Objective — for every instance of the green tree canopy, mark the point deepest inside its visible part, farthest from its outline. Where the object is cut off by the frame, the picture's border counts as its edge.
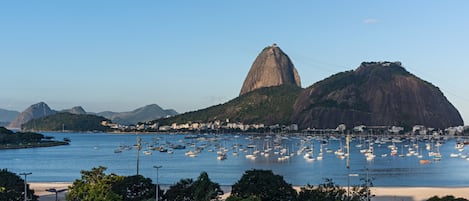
(181, 191)
(205, 189)
(446, 198)
(135, 188)
(263, 184)
(333, 192)
(235, 198)
(8, 136)
(12, 187)
(202, 189)
(94, 185)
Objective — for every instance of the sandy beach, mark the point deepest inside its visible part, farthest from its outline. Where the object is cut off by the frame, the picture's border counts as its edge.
(416, 193)
(41, 187)
(381, 193)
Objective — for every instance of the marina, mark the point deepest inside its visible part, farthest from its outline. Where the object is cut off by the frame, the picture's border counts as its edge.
(300, 158)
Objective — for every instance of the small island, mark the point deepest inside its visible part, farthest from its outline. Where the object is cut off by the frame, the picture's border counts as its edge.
(20, 140)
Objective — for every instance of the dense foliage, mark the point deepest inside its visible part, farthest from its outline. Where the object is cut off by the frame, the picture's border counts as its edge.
(94, 185)
(67, 121)
(10, 137)
(263, 184)
(134, 188)
(12, 187)
(446, 198)
(182, 190)
(250, 198)
(254, 185)
(270, 105)
(202, 189)
(333, 192)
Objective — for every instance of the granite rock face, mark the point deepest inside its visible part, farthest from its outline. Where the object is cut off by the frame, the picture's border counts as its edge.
(272, 67)
(35, 111)
(375, 94)
(75, 110)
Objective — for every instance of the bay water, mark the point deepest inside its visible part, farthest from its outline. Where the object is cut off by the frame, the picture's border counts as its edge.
(88, 150)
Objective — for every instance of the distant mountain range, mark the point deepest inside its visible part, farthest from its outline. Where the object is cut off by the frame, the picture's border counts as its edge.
(143, 114)
(40, 110)
(6, 116)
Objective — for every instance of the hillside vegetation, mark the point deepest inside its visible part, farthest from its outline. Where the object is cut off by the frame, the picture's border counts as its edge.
(68, 122)
(18, 140)
(270, 105)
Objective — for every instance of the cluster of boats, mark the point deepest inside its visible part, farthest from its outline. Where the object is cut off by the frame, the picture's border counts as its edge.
(311, 147)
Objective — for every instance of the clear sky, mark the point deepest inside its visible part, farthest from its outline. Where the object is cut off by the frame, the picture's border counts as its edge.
(188, 55)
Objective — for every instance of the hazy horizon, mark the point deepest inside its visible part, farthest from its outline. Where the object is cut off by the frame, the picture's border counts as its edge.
(119, 56)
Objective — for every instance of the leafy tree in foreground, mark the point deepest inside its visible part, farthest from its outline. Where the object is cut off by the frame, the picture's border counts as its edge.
(94, 185)
(446, 198)
(205, 189)
(202, 189)
(181, 191)
(333, 192)
(135, 188)
(12, 187)
(263, 184)
(236, 198)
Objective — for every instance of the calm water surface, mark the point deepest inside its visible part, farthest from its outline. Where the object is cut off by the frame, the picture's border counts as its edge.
(63, 164)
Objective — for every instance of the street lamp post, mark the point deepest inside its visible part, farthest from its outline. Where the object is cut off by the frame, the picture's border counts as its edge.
(139, 140)
(25, 185)
(53, 190)
(157, 198)
(347, 141)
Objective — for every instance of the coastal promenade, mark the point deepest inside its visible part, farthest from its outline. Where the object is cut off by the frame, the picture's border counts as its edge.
(381, 193)
(41, 187)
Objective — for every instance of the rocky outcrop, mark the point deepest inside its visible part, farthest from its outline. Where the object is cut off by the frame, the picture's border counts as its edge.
(75, 110)
(272, 67)
(35, 111)
(375, 94)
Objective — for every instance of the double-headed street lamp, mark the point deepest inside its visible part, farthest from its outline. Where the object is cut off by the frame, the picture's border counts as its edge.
(53, 190)
(26, 184)
(157, 198)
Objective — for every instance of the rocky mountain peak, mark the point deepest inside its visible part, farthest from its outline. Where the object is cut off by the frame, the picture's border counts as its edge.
(272, 67)
(35, 111)
(367, 67)
(75, 110)
(375, 94)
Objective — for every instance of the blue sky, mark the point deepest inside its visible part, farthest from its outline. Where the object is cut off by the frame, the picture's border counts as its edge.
(188, 55)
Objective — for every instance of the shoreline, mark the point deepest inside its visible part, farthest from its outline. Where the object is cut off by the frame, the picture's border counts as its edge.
(231, 132)
(401, 193)
(33, 145)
